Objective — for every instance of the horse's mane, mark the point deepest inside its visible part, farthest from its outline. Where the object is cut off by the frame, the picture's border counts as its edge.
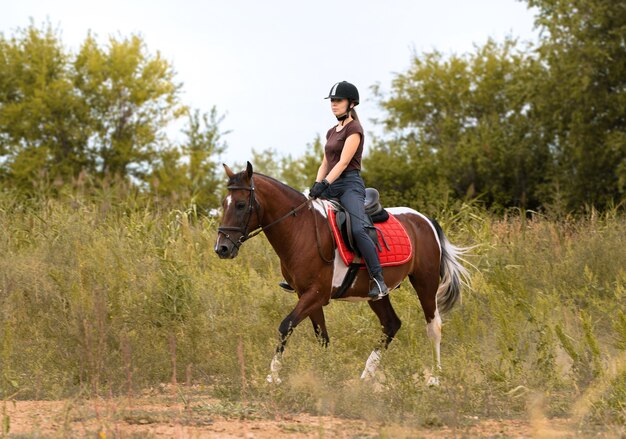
(281, 184)
(239, 177)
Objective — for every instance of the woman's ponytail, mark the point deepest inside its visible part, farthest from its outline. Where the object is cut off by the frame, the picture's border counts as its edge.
(354, 115)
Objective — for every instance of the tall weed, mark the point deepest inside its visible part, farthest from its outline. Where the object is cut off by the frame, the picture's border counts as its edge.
(115, 292)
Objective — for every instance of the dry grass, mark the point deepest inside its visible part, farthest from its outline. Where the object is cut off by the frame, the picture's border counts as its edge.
(109, 295)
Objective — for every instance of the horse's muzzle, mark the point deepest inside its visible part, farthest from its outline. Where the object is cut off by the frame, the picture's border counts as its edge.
(226, 252)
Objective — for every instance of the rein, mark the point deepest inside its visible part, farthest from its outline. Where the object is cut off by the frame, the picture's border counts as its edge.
(288, 214)
(317, 240)
(252, 207)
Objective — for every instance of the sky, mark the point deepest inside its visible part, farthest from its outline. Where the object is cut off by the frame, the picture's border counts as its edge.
(267, 65)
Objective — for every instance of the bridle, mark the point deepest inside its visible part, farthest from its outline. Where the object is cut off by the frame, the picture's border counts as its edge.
(253, 206)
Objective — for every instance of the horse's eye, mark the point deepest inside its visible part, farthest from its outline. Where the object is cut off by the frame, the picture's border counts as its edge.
(241, 205)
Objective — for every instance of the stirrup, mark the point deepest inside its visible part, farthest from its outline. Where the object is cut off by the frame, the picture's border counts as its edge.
(285, 286)
(378, 290)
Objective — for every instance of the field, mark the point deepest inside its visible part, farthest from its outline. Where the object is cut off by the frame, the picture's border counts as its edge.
(117, 319)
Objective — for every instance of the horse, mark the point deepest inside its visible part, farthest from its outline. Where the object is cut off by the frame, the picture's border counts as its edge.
(310, 263)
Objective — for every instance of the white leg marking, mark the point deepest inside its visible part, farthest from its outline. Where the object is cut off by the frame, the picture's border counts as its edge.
(275, 367)
(433, 381)
(433, 329)
(371, 365)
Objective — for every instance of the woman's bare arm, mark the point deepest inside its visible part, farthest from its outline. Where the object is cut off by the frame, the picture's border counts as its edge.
(323, 170)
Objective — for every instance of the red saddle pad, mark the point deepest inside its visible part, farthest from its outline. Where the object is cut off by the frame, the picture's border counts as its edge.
(400, 247)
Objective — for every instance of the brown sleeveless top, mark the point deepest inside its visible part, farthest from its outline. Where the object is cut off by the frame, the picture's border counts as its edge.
(335, 142)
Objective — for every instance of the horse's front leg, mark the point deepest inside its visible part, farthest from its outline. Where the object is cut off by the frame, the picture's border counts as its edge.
(309, 303)
(319, 326)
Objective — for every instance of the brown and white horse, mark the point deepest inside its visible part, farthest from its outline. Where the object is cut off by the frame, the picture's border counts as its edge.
(295, 227)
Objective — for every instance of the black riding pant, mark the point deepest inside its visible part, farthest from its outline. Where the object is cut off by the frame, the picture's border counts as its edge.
(350, 190)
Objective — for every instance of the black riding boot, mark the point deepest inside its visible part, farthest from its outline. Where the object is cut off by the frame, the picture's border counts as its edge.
(285, 286)
(378, 288)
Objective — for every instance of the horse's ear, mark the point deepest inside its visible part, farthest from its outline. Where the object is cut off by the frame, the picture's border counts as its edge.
(249, 170)
(229, 171)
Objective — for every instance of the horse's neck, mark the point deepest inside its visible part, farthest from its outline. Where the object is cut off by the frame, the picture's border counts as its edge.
(276, 202)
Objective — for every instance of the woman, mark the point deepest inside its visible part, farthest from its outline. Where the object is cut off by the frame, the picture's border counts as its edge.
(339, 176)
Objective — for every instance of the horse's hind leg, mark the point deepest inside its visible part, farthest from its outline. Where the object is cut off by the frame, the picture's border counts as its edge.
(391, 324)
(319, 326)
(426, 289)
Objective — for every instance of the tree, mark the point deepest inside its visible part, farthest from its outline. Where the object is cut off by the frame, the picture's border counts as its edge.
(203, 147)
(523, 127)
(300, 172)
(132, 96)
(191, 170)
(583, 98)
(266, 162)
(463, 125)
(101, 111)
(297, 172)
(43, 121)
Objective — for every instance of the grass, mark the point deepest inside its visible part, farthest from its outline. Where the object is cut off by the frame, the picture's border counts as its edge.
(113, 294)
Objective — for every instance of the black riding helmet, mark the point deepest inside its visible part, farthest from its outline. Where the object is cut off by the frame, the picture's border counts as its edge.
(344, 90)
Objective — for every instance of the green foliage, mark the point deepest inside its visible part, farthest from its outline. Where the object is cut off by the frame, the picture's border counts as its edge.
(198, 178)
(297, 172)
(131, 96)
(266, 162)
(98, 115)
(99, 112)
(533, 126)
(41, 111)
(300, 172)
(467, 129)
(582, 100)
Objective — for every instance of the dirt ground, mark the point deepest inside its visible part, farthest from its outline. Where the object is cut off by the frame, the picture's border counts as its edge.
(160, 417)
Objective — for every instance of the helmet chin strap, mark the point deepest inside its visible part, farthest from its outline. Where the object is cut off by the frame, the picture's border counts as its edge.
(344, 116)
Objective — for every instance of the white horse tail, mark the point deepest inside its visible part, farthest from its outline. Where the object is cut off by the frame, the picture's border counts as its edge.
(452, 273)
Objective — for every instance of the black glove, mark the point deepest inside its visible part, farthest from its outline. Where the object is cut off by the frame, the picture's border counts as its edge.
(318, 188)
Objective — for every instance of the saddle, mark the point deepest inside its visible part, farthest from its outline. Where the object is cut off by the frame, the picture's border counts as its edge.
(374, 213)
(380, 225)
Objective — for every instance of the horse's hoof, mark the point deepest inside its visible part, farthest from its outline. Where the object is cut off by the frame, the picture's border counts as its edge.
(367, 377)
(432, 381)
(273, 380)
